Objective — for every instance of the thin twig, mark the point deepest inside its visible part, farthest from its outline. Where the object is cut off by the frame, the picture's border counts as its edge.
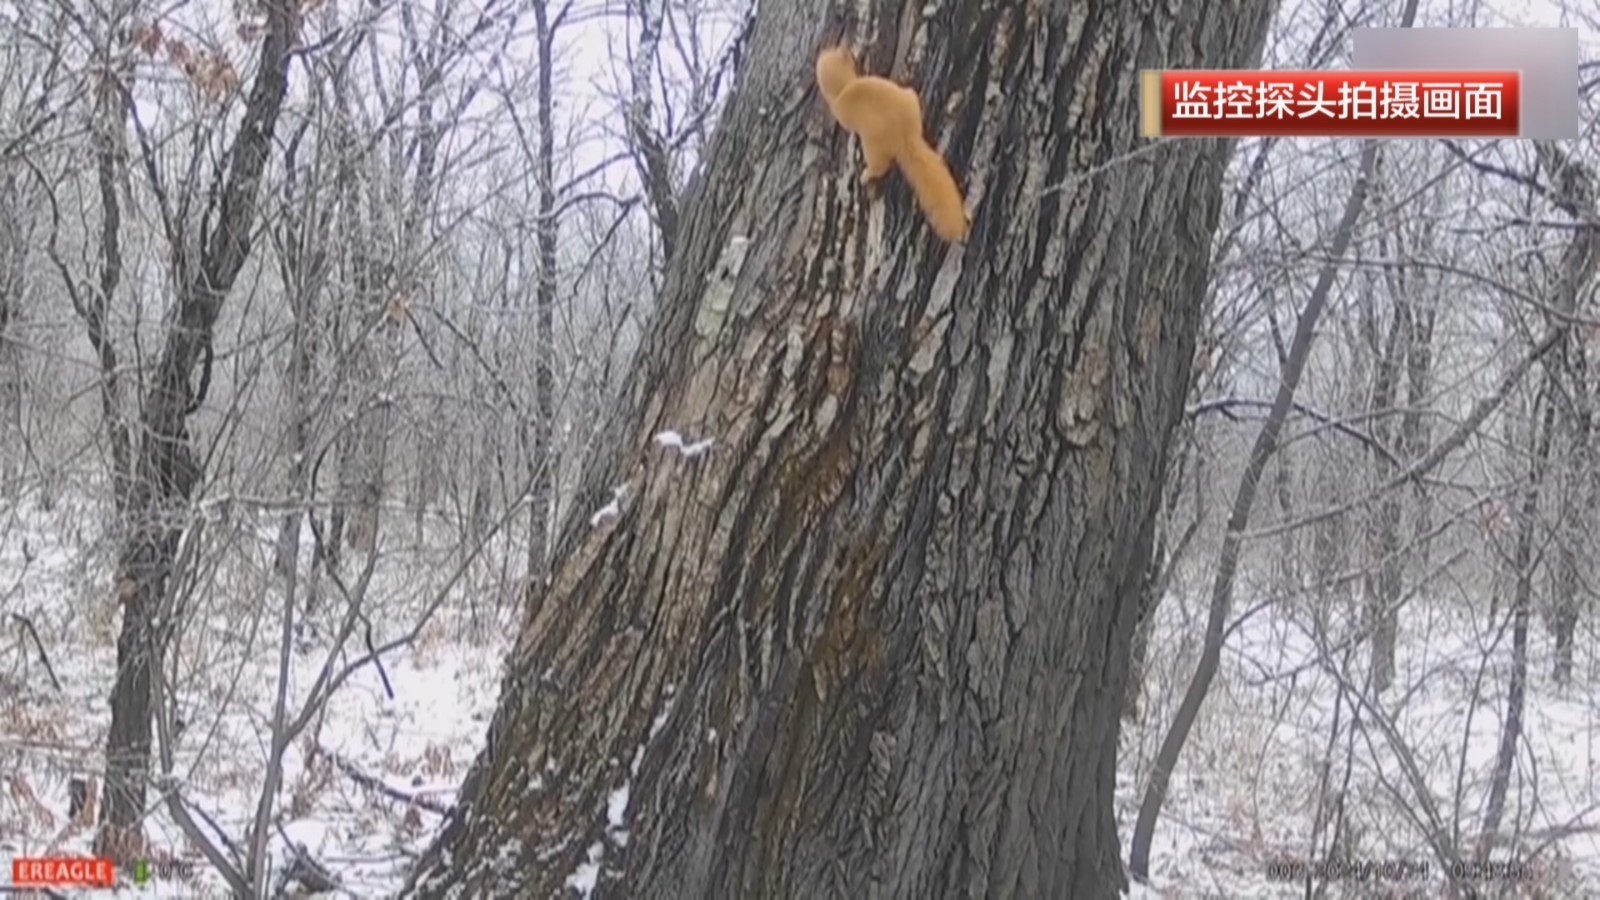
(372, 782)
(44, 657)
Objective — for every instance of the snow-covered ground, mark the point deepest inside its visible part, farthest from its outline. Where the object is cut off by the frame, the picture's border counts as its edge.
(1244, 796)
(1245, 793)
(420, 743)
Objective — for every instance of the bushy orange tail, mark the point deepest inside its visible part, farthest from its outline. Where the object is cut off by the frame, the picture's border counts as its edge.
(936, 190)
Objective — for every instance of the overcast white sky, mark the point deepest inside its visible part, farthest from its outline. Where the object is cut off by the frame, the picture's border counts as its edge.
(592, 57)
(593, 53)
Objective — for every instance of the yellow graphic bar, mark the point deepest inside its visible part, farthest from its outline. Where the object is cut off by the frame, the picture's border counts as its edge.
(1149, 102)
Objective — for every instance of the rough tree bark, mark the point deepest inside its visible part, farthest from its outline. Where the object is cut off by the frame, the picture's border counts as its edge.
(166, 470)
(875, 641)
(542, 459)
(1164, 562)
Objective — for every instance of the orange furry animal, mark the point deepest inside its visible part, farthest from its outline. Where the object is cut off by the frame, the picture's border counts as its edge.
(888, 119)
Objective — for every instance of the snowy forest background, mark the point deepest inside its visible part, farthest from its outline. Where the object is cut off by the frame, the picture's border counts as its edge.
(467, 214)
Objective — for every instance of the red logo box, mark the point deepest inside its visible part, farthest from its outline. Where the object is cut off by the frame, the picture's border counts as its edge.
(62, 871)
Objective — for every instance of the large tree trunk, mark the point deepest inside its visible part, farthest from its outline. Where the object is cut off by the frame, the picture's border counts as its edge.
(875, 641)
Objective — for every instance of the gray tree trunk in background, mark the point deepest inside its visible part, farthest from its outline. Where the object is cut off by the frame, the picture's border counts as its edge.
(13, 265)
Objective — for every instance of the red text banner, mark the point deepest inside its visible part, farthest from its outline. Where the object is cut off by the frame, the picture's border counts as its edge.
(1372, 103)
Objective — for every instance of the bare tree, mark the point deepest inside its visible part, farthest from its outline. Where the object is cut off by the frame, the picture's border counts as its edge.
(541, 449)
(1574, 193)
(1266, 444)
(1573, 405)
(1231, 314)
(165, 470)
(665, 118)
(1261, 451)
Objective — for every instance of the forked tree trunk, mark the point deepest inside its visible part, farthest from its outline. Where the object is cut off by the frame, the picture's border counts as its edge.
(166, 471)
(875, 641)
